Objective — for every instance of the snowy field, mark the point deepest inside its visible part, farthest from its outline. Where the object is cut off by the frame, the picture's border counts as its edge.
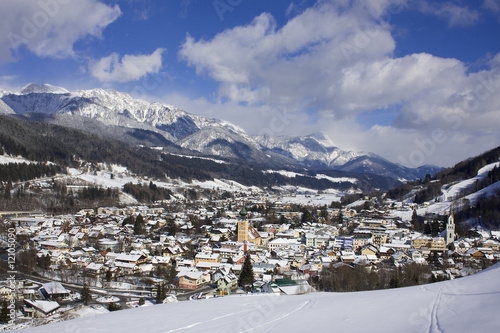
(6, 159)
(469, 304)
(313, 199)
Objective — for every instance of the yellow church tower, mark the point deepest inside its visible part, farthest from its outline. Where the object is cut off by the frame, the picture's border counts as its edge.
(243, 226)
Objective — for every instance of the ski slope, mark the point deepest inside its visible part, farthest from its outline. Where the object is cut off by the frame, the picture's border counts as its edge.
(468, 304)
(451, 194)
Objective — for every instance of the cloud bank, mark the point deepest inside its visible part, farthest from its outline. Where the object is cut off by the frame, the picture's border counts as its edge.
(50, 28)
(335, 63)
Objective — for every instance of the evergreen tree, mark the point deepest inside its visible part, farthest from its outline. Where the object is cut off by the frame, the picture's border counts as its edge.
(4, 312)
(340, 216)
(414, 217)
(172, 227)
(139, 226)
(306, 215)
(161, 293)
(109, 275)
(246, 278)
(86, 296)
(8, 188)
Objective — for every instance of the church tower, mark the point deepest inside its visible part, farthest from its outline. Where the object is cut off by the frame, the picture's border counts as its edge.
(243, 226)
(450, 229)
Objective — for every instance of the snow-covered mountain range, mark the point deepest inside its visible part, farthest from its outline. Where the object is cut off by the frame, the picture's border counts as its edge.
(192, 132)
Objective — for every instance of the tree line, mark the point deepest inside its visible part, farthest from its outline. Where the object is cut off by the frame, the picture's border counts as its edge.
(14, 172)
(347, 278)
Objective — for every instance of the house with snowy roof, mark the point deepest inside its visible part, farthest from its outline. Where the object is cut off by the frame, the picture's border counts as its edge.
(39, 308)
(193, 279)
(225, 278)
(53, 290)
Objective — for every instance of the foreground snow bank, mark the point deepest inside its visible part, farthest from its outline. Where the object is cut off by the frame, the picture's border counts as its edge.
(468, 304)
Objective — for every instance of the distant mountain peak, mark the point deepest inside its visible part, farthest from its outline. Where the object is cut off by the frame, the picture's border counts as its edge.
(322, 138)
(44, 88)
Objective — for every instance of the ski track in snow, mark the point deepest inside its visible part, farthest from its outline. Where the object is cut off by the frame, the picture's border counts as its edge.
(434, 320)
(207, 321)
(305, 305)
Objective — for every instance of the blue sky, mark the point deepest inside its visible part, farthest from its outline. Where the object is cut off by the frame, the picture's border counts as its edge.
(415, 81)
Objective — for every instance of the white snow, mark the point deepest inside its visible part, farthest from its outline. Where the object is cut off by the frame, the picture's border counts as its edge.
(451, 194)
(313, 199)
(6, 159)
(291, 174)
(226, 185)
(454, 190)
(337, 179)
(469, 304)
(200, 158)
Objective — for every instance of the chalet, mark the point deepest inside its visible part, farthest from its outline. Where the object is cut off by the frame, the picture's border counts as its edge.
(417, 256)
(475, 253)
(193, 280)
(369, 249)
(94, 269)
(212, 258)
(130, 263)
(492, 244)
(462, 246)
(399, 258)
(386, 252)
(174, 251)
(293, 244)
(226, 280)
(347, 257)
(137, 259)
(39, 308)
(53, 290)
(226, 253)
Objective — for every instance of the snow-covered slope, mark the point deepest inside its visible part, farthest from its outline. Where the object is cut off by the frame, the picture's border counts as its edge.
(5, 109)
(317, 150)
(452, 194)
(468, 304)
(42, 88)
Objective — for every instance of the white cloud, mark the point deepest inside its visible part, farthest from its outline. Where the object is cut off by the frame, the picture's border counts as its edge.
(128, 68)
(335, 61)
(50, 28)
(491, 5)
(455, 14)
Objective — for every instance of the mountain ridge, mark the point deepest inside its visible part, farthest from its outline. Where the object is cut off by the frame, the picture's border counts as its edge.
(196, 133)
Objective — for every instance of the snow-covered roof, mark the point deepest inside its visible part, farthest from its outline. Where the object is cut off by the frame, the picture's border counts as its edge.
(44, 306)
(54, 288)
